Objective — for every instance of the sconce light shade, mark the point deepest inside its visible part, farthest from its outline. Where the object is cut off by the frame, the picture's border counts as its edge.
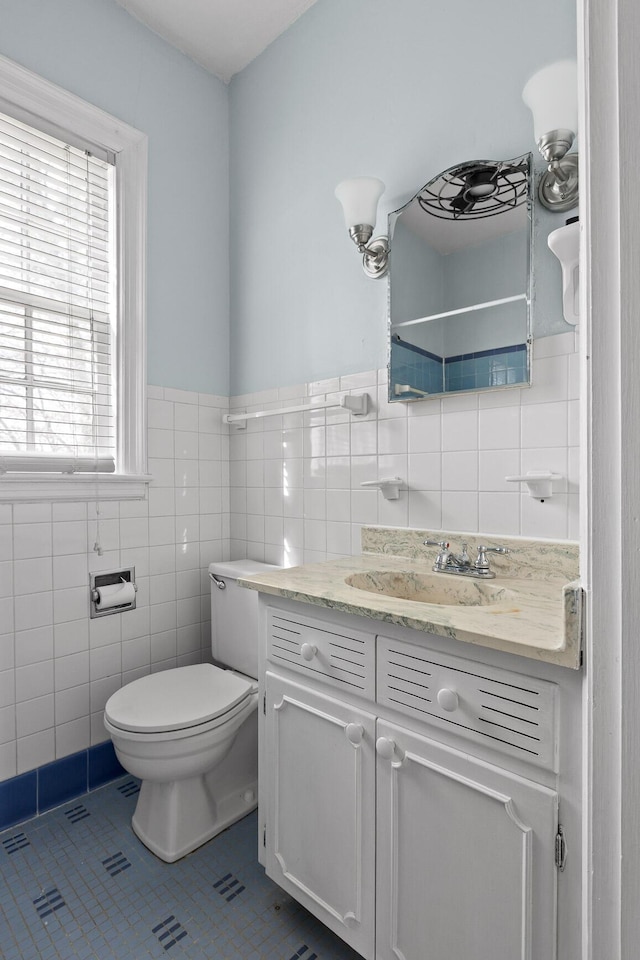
(552, 96)
(359, 197)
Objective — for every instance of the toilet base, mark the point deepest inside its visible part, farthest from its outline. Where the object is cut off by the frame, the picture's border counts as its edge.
(173, 819)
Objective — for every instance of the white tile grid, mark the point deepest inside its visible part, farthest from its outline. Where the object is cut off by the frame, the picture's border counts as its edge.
(58, 667)
(296, 492)
(285, 490)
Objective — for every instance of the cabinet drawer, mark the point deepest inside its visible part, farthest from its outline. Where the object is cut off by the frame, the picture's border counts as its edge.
(345, 659)
(506, 711)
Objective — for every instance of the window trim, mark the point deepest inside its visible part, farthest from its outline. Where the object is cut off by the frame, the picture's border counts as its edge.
(44, 105)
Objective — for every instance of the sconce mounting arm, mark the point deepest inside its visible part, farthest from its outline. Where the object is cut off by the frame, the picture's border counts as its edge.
(375, 255)
(375, 258)
(559, 187)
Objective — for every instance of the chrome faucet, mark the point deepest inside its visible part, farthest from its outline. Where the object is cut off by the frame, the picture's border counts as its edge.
(448, 562)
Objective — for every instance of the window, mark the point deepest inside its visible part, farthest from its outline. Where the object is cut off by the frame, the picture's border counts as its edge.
(56, 291)
(72, 331)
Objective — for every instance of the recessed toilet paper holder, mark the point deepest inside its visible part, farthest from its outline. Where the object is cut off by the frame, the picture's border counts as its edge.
(112, 592)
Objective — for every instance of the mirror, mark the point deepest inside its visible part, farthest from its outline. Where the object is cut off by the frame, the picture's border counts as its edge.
(459, 282)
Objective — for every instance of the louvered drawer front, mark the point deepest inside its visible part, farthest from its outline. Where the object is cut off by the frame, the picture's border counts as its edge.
(506, 711)
(344, 658)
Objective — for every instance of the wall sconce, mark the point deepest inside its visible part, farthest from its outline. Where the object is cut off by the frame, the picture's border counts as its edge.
(552, 96)
(359, 198)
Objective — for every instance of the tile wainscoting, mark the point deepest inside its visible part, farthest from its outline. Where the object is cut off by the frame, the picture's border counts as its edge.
(285, 490)
(58, 667)
(295, 481)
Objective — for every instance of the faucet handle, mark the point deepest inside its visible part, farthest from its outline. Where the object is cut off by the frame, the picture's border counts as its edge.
(442, 559)
(481, 561)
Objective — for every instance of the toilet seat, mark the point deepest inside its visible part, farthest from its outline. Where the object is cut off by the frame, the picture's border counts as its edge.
(178, 702)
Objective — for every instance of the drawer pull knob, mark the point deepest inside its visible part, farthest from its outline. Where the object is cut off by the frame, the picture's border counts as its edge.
(354, 733)
(448, 699)
(389, 750)
(308, 651)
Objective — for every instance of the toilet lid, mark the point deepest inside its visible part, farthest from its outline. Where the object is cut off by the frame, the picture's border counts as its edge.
(175, 699)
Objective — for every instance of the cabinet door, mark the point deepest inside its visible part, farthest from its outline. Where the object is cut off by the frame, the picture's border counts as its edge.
(466, 864)
(321, 807)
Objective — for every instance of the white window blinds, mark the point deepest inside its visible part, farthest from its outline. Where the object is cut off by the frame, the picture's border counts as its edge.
(56, 292)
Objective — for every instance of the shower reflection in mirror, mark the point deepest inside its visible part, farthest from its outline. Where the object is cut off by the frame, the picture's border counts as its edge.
(460, 282)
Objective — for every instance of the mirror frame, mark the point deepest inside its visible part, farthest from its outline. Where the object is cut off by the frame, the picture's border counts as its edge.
(528, 292)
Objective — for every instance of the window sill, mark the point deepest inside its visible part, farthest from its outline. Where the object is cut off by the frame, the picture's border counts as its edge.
(20, 487)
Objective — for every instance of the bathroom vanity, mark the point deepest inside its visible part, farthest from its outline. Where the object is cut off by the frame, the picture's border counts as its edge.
(419, 793)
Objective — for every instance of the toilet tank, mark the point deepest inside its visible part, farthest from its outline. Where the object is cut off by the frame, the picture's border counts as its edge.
(234, 615)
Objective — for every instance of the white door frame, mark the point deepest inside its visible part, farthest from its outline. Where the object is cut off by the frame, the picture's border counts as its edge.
(608, 41)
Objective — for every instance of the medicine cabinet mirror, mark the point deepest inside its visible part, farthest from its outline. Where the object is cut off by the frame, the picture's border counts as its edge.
(460, 282)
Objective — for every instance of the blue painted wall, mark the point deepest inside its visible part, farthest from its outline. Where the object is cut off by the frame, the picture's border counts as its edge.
(96, 50)
(399, 90)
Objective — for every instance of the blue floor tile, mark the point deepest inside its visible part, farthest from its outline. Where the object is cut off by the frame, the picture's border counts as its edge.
(76, 884)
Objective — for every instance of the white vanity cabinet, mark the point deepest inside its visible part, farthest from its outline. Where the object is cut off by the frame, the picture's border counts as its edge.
(465, 856)
(399, 795)
(320, 838)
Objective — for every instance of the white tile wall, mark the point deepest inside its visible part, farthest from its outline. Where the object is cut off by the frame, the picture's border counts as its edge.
(58, 667)
(295, 480)
(285, 490)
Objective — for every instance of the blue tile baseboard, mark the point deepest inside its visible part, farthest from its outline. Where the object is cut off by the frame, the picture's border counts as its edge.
(18, 799)
(31, 793)
(62, 780)
(102, 765)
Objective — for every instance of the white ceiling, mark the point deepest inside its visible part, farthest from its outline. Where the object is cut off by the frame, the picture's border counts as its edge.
(223, 36)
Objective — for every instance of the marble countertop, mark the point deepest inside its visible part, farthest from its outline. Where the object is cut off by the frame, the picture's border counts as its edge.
(534, 617)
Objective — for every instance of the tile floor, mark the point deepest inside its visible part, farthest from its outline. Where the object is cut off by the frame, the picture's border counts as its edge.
(76, 884)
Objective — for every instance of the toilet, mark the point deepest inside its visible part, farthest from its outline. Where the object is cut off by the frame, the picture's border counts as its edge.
(191, 733)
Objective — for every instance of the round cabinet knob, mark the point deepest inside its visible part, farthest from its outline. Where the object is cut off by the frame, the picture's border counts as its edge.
(448, 699)
(385, 748)
(354, 733)
(308, 651)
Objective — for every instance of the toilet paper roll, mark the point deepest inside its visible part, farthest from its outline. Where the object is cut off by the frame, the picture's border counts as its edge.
(115, 595)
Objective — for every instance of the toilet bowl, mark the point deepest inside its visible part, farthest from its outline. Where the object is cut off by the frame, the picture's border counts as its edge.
(191, 733)
(174, 730)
